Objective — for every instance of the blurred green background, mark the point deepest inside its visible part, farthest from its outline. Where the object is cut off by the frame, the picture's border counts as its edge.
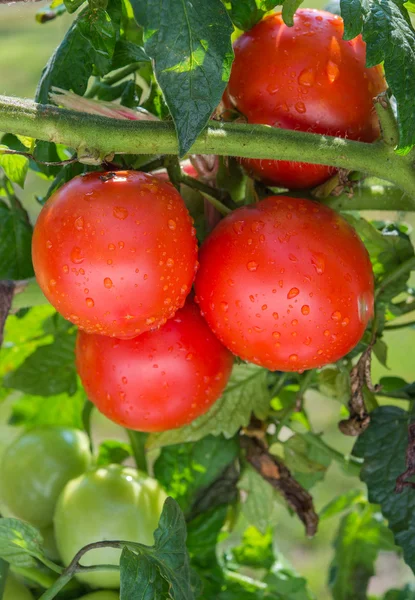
(25, 48)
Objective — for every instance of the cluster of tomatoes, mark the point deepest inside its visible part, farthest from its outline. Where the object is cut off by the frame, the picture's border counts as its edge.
(285, 283)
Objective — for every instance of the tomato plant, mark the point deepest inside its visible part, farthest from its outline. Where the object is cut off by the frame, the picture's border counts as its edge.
(115, 253)
(165, 426)
(159, 380)
(36, 467)
(14, 590)
(286, 284)
(305, 77)
(113, 503)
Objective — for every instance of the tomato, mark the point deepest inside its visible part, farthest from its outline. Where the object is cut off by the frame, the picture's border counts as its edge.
(304, 77)
(36, 467)
(111, 503)
(162, 379)
(101, 595)
(15, 590)
(286, 284)
(115, 253)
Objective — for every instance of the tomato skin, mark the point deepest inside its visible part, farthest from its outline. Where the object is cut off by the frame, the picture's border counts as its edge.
(304, 77)
(36, 467)
(116, 255)
(15, 590)
(162, 379)
(286, 284)
(111, 503)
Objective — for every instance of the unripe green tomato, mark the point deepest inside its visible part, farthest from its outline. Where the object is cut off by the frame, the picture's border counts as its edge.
(101, 595)
(37, 466)
(111, 503)
(15, 590)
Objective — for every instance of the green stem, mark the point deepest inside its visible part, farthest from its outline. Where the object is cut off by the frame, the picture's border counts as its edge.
(388, 124)
(4, 569)
(112, 79)
(377, 197)
(74, 129)
(305, 381)
(224, 210)
(279, 384)
(138, 440)
(399, 326)
(405, 267)
(56, 587)
(36, 575)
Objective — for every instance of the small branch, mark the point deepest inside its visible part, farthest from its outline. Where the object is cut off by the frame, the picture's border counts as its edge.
(278, 475)
(402, 480)
(405, 267)
(388, 124)
(112, 79)
(305, 381)
(57, 163)
(224, 210)
(137, 441)
(399, 326)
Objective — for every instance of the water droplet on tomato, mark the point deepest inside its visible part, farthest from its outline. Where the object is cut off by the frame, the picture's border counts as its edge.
(307, 77)
(275, 315)
(189, 356)
(108, 283)
(326, 332)
(276, 335)
(76, 255)
(65, 269)
(336, 316)
(120, 213)
(318, 262)
(307, 341)
(172, 224)
(305, 309)
(257, 226)
(252, 265)
(293, 358)
(224, 306)
(238, 226)
(79, 223)
(292, 258)
(121, 245)
(169, 262)
(294, 322)
(300, 107)
(293, 293)
(150, 320)
(333, 71)
(345, 322)
(90, 303)
(111, 246)
(264, 307)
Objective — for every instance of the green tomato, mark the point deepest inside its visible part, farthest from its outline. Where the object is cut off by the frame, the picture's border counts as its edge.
(111, 503)
(36, 467)
(102, 595)
(15, 590)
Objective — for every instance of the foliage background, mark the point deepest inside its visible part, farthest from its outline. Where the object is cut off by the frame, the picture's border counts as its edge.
(29, 45)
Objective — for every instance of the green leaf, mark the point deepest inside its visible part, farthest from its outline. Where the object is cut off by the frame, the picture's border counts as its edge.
(62, 410)
(190, 45)
(246, 393)
(50, 370)
(98, 29)
(202, 534)
(20, 543)
(246, 13)
(15, 241)
(307, 462)
(113, 452)
(285, 582)
(73, 5)
(185, 470)
(126, 53)
(258, 500)
(388, 248)
(163, 570)
(15, 166)
(341, 503)
(407, 593)
(383, 448)
(390, 38)
(334, 382)
(288, 11)
(255, 549)
(357, 545)
(380, 350)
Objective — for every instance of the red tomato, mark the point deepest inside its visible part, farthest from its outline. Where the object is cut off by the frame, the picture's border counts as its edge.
(115, 253)
(160, 380)
(304, 77)
(286, 284)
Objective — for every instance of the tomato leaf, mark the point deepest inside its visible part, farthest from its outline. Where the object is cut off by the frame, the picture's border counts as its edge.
(245, 393)
(390, 38)
(255, 549)
(246, 13)
(162, 571)
(190, 45)
(203, 532)
(73, 5)
(307, 462)
(113, 452)
(286, 584)
(50, 370)
(407, 593)
(258, 500)
(334, 382)
(99, 31)
(383, 447)
(15, 166)
(15, 241)
(61, 410)
(126, 53)
(20, 543)
(288, 11)
(185, 470)
(361, 535)
(341, 503)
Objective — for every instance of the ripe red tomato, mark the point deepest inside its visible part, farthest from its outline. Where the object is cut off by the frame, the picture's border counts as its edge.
(115, 253)
(286, 284)
(304, 77)
(160, 380)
